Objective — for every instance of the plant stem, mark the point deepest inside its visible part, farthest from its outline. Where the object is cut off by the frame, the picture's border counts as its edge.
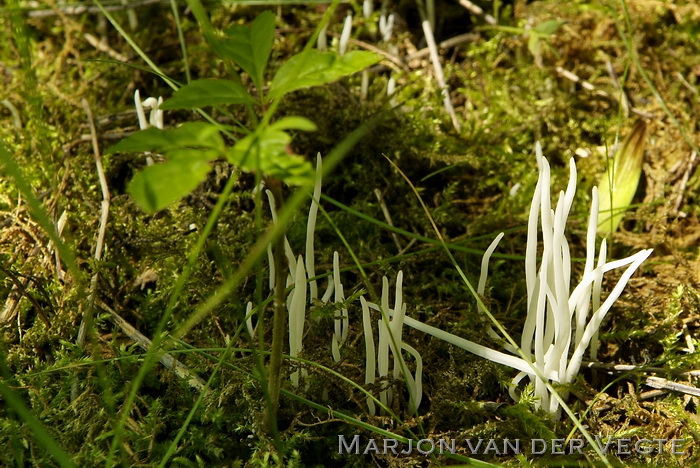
(278, 323)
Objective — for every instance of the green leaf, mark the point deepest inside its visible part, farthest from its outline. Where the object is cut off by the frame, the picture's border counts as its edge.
(250, 46)
(269, 152)
(294, 123)
(313, 68)
(188, 135)
(157, 186)
(534, 45)
(619, 183)
(539, 33)
(208, 92)
(548, 27)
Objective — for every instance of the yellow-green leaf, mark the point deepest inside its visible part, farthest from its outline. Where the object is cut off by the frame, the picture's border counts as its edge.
(619, 183)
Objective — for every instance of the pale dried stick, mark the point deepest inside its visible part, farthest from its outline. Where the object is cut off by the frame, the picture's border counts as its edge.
(80, 9)
(437, 67)
(103, 47)
(564, 73)
(477, 10)
(167, 360)
(387, 216)
(446, 44)
(87, 316)
(663, 384)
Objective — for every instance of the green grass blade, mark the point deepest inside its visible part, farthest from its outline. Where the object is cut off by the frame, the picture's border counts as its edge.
(41, 434)
(181, 39)
(134, 45)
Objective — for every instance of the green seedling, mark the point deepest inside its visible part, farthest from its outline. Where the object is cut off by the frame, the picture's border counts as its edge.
(190, 148)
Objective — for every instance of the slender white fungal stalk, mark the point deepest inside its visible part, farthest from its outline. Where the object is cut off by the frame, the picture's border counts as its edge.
(481, 287)
(143, 123)
(397, 315)
(329, 292)
(367, 8)
(249, 319)
(345, 35)
(597, 285)
(514, 189)
(156, 117)
(598, 316)
(474, 348)
(485, 263)
(310, 229)
(271, 262)
(390, 90)
(385, 341)
(341, 322)
(439, 76)
(370, 355)
(383, 360)
(322, 39)
(416, 389)
(297, 315)
(390, 86)
(364, 88)
(386, 26)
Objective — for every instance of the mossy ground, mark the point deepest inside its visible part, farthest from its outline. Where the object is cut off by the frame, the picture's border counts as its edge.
(506, 98)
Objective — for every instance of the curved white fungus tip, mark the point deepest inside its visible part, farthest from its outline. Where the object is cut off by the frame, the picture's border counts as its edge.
(345, 35)
(367, 8)
(322, 40)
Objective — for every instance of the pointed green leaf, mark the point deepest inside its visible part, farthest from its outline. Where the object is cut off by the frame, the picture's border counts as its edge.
(313, 68)
(269, 152)
(294, 123)
(157, 186)
(548, 27)
(188, 135)
(208, 92)
(534, 45)
(619, 183)
(250, 46)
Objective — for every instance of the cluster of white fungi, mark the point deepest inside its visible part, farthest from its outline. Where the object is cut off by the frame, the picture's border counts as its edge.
(561, 323)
